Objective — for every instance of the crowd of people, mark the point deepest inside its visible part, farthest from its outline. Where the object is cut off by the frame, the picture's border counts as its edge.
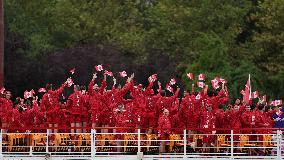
(131, 106)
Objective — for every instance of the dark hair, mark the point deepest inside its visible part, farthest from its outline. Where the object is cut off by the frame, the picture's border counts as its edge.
(163, 93)
(49, 86)
(260, 107)
(83, 87)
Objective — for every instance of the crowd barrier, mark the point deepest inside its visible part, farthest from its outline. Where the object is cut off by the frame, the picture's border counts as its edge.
(186, 144)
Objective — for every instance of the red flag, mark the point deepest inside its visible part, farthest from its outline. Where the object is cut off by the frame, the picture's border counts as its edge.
(201, 77)
(72, 71)
(169, 88)
(271, 103)
(278, 102)
(99, 68)
(28, 94)
(215, 83)
(152, 78)
(69, 82)
(201, 84)
(41, 90)
(172, 81)
(2, 90)
(190, 75)
(123, 74)
(247, 92)
(222, 80)
(254, 95)
(109, 73)
(264, 98)
(198, 97)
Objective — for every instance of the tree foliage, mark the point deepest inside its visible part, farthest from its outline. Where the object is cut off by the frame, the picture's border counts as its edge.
(225, 38)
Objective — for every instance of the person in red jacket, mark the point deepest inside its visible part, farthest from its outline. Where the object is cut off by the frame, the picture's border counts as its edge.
(208, 121)
(74, 106)
(85, 108)
(233, 116)
(50, 105)
(96, 100)
(6, 106)
(112, 100)
(164, 128)
(165, 102)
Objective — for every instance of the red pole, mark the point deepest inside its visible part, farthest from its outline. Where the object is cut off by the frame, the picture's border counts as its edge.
(1, 43)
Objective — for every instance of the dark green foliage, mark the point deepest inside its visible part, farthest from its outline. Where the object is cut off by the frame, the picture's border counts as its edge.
(226, 38)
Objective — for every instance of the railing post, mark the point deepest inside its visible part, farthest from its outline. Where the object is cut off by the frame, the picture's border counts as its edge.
(139, 153)
(139, 140)
(93, 143)
(47, 141)
(232, 144)
(184, 143)
(279, 137)
(1, 136)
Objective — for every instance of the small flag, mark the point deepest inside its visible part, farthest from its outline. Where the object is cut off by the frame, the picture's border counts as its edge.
(278, 102)
(254, 94)
(109, 73)
(152, 78)
(41, 90)
(198, 97)
(201, 84)
(2, 90)
(172, 81)
(123, 74)
(190, 75)
(72, 71)
(28, 94)
(69, 82)
(272, 103)
(99, 68)
(263, 98)
(201, 77)
(222, 80)
(215, 83)
(169, 88)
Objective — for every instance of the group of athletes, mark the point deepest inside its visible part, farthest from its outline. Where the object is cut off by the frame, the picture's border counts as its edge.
(131, 106)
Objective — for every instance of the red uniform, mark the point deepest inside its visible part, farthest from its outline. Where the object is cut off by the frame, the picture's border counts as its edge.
(6, 107)
(74, 105)
(164, 126)
(95, 101)
(50, 105)
(208, 121)
(165, 103)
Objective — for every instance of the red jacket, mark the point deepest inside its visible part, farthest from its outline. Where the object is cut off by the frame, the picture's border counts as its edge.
(6, 107)
(75, 103)
(49, 101)
(164, 125)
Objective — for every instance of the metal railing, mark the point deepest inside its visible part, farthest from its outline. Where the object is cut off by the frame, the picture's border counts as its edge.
(140, 145)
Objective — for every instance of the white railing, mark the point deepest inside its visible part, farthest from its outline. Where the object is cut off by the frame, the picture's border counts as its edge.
(141, 145)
